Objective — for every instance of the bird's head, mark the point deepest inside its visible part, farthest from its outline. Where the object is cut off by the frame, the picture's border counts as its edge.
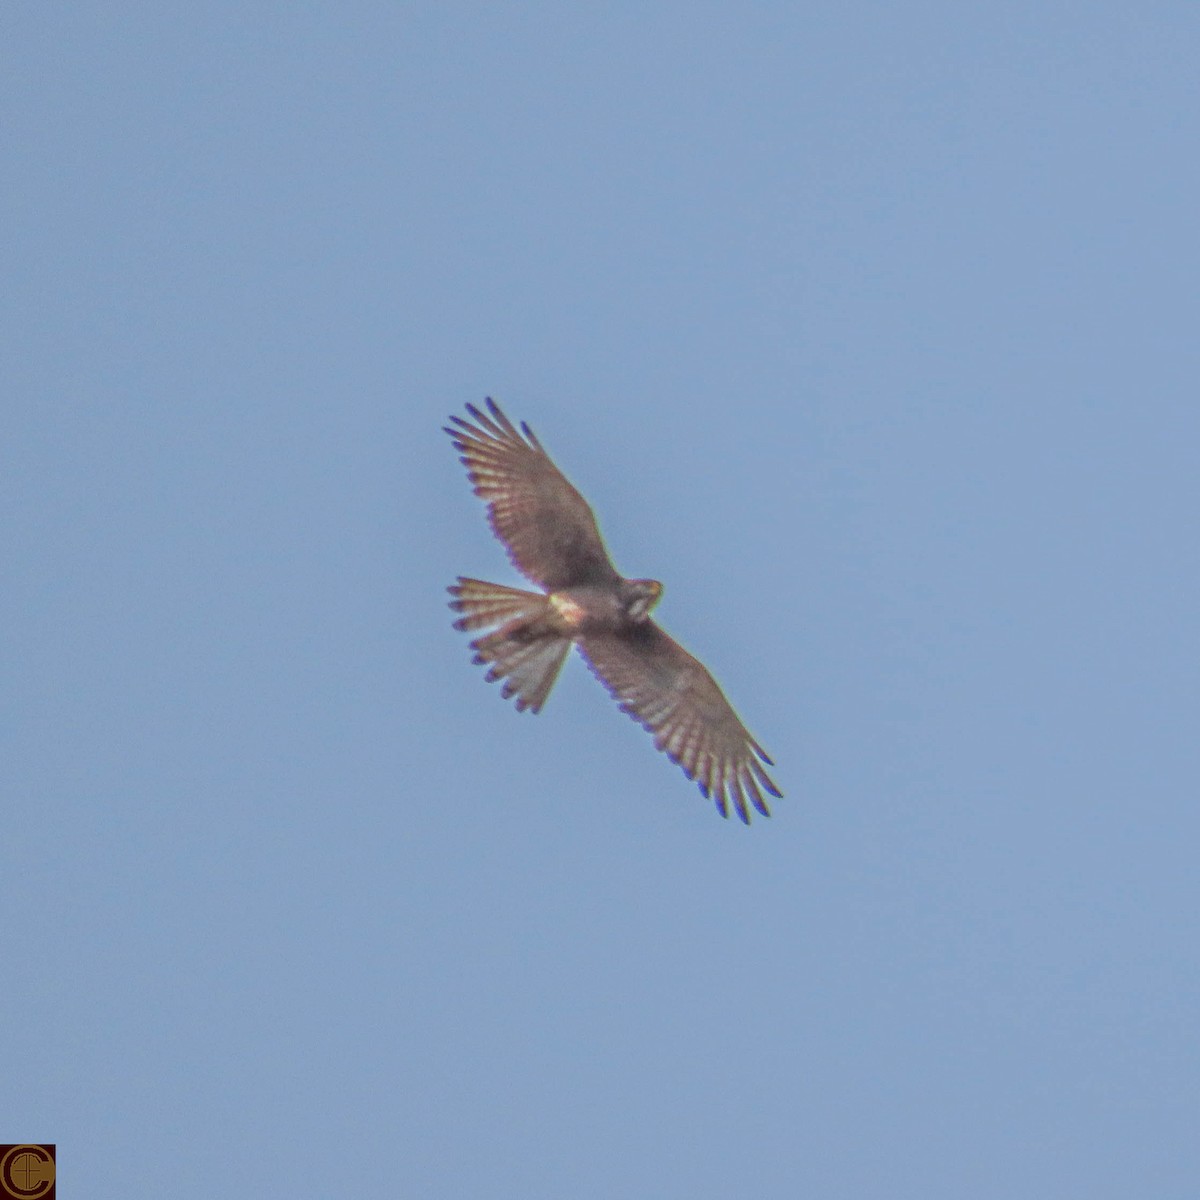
(639, 597)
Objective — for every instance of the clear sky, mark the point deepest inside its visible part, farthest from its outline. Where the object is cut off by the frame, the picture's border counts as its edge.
(870, 329)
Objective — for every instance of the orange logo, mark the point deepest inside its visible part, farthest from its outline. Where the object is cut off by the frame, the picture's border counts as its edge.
(27, 1172)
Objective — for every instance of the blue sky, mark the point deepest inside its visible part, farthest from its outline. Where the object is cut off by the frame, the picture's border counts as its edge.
(870, 330)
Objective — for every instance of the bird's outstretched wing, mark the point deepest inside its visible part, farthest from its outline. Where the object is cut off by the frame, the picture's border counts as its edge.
(672, 695)
(545, 524)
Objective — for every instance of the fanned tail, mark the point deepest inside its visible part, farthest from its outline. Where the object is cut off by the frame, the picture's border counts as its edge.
(483, 604)
(526, 651)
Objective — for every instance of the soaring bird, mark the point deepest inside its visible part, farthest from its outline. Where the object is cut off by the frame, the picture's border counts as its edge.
(552, 538)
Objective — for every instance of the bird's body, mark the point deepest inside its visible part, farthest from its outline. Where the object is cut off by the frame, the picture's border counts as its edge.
(593, 609)
(552, 538)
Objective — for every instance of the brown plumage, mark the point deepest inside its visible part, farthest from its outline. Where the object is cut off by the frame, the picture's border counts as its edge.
(552, 538)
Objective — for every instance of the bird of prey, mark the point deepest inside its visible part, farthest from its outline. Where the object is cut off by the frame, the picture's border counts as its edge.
(552, 538)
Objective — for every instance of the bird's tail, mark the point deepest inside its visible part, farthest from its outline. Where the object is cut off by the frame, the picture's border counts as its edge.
(526, 651)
